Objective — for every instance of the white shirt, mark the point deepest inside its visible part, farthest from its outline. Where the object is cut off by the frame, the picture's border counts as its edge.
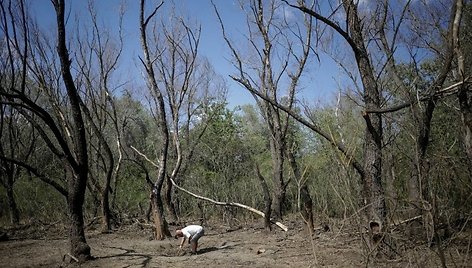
(191, 230)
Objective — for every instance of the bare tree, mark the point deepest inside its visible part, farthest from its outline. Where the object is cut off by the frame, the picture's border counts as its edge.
(12, 128)
(181, 84)
(280, 49)
(17, 141)
(421, 112)
(177, 50)
(67, 143)
(98, 107)
(79, 160)
(161, 227)
(356, 35)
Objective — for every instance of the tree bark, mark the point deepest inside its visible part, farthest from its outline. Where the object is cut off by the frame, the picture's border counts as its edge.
(307, 207)
(277, 140)
(106, 211)
(267, 199)
(103, 192)
(373, 191)
(161, 229)
(78, 181)
(465, 104)
(78, 244)
(9, 170)
(277, 152)
(169, 202)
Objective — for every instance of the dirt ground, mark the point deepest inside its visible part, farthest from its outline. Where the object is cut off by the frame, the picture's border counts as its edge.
(246, 245)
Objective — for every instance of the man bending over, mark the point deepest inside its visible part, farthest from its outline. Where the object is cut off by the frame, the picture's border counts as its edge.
(192, 233)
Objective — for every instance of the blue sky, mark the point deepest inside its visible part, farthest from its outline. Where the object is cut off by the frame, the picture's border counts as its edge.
(320, 83)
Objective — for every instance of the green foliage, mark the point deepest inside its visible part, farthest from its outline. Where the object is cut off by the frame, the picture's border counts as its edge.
(132, 192)
(223, 163)
(222, 167)
(450, 178)
(333, 183)
(38, 201)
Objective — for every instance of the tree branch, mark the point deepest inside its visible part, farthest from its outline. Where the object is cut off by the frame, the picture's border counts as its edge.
(340, 146)
(40, 176)
(438, 94)
(233, 204)
(328, 22)
(145, 157)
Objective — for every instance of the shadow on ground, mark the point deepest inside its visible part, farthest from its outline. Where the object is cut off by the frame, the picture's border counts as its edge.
(208, 249)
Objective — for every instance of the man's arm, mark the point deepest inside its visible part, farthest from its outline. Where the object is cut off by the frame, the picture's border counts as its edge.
(183, 241)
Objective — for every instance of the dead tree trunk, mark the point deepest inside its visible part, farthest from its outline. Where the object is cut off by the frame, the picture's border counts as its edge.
(267, 199)
(105, 204)
(7, 180)
(103, 192)
(278, 159)
(70, 139)
(79, 247)
(78, 181)
(418, 182)
(373, 191)
(161, 228)
(264, 37)
(169, 202)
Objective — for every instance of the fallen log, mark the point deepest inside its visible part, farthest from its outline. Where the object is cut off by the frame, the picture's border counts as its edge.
(233, 204)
